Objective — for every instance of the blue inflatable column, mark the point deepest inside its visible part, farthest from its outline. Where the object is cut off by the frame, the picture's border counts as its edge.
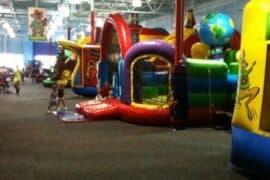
(103, 72)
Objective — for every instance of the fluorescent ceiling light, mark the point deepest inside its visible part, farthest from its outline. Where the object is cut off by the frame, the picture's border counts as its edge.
(76, 1)
(64, 10)
(136, 3)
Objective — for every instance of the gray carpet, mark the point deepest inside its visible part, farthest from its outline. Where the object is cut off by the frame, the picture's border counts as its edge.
(36, 145)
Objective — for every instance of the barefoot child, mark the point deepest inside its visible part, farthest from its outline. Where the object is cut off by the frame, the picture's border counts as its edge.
(53, 98)
(60, 96)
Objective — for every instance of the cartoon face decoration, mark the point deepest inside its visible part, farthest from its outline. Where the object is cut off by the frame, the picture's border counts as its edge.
(91, 70)
(38, 23)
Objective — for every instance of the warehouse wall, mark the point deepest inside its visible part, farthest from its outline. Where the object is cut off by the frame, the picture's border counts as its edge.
(18, 45)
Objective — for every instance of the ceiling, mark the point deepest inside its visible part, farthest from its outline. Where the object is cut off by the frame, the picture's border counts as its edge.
(75, 13)
(15, 12)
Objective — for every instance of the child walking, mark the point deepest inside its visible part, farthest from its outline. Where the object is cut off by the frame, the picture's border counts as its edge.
(53, 98)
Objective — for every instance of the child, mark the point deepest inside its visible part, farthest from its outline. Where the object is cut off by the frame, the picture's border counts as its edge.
(175, 122)
(60, 96)
(104, 91)
(53, 98)
(110, 95)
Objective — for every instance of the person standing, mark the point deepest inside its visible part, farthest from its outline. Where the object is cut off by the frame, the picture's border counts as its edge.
(17, 80)
(53, 98)
(60, 62)
(60, 96)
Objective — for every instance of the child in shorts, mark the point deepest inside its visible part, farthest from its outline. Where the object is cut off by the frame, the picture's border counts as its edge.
(53, 98)
(60, 96)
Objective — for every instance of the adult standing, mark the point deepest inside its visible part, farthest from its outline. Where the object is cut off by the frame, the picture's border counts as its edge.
(17, 80)
(60, 62)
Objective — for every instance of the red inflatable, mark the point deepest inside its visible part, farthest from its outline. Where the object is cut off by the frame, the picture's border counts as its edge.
(80, 107)
(158, 117)
(113, 108)
(107, 109)
(116, 22)
(236, 40)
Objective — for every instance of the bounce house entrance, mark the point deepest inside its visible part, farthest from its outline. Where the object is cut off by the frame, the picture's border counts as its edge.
(151, 81)
(113, 61)
(265, 123)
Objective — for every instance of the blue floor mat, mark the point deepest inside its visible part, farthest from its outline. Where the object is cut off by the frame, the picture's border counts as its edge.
(69, 116)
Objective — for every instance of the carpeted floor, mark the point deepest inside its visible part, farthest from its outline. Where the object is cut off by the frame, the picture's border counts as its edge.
(36, 145)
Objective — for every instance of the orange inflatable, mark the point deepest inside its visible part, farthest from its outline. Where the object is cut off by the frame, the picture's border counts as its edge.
(200, 50)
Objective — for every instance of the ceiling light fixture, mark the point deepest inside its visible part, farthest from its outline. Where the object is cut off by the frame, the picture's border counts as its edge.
(6, 26)
(136, 3)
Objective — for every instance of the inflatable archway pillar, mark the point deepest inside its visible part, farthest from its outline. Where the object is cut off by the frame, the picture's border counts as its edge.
(114, 22)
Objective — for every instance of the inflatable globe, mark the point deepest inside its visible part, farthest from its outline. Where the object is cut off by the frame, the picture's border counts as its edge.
(216, 29)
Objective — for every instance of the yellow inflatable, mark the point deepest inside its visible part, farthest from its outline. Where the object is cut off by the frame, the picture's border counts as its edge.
(251, 118)
(253, 73)
(187, 33)
(85, 40)
(65, 77)
(200, 50)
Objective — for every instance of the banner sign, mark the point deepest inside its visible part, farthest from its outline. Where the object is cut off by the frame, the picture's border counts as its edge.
(37, 27)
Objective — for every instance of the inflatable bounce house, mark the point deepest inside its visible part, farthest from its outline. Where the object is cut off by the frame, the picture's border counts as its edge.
(140, 74)
(81, 67)
(251, 124)
(211, 67)
(212, 72)
(84, 74)
(66, 63)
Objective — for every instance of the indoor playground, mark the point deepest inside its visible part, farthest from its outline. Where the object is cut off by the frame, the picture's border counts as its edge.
(135, 89)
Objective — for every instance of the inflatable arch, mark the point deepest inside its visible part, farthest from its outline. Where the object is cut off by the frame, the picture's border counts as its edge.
(115, 41)
(143, 112)
(116, 22)
(140, 49)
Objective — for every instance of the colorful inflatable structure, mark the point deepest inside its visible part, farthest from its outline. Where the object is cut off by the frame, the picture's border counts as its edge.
(144, 83)
(212, 79)
(84, 74)
(64, 67)
(251, 124)
(207, 89)
(190, 37)
(62, 70)
(140, 75)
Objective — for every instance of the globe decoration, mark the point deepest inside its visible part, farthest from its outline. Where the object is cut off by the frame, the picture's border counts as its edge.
(216, 29)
